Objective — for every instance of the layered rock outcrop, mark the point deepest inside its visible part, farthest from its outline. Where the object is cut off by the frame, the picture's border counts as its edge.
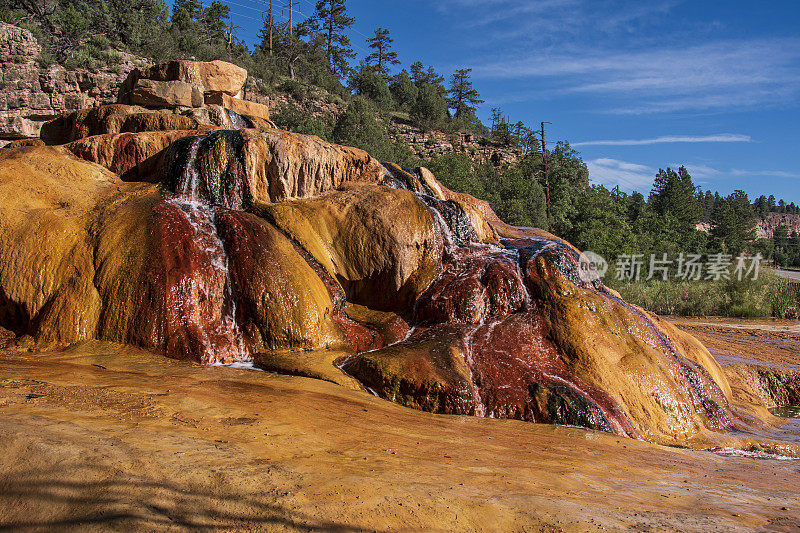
(765, 228)
(31, 94)
(190, 84)
(235, 244)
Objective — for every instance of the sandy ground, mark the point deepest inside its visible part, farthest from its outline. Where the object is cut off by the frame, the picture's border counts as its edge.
(103, 437)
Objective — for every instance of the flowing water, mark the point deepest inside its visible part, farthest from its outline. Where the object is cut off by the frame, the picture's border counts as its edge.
(221, 339)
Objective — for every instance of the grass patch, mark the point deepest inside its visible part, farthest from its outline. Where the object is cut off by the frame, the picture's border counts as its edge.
(768, 296)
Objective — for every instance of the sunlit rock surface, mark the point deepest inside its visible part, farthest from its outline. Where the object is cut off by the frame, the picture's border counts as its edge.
(254, 244)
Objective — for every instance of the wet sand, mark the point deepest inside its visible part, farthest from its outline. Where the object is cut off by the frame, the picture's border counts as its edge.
(759, 341)
(108, 437)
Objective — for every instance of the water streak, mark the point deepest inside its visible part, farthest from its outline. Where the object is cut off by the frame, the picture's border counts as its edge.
(202, 219)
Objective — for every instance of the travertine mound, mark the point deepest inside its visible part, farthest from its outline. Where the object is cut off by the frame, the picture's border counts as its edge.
(254, 244)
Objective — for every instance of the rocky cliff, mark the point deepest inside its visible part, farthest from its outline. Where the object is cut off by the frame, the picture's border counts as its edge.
(766, 226)
(31, 94)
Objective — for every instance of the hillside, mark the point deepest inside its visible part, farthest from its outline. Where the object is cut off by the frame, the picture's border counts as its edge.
(767, 225)
(32, 93)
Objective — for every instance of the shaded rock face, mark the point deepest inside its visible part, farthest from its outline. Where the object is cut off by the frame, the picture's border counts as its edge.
(153, 93)
(219, 246)
(242, 107)
(7, 338)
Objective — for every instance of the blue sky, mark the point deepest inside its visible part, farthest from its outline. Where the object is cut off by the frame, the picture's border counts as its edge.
(632, 85)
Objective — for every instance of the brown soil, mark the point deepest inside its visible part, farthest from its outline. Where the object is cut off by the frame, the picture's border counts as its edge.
(102, 436)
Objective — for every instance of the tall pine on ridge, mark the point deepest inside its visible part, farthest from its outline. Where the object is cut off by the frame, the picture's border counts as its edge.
(331, 19)
(464, 98)
(383, 56)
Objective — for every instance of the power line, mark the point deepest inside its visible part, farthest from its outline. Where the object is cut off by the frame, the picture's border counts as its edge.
(284, 18)
(314, 7)
(242, 5)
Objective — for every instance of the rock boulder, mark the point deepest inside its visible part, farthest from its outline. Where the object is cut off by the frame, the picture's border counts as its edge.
(213, 76)
(242, 107)
(153, 93)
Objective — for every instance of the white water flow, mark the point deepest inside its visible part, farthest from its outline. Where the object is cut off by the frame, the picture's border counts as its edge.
(236, 120)
(201, 217)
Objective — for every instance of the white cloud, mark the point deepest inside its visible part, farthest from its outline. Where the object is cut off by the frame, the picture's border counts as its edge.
(705, 172)
(702, 172)
(719, 138)
(528, 21)
(637, 177)
(770, 173)
(709, 76)
(613, 172)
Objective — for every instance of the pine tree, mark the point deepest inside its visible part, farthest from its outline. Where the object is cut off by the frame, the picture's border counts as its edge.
(331, 19)
(186, 12)
(139, 23)
(464, 98)
(733, 223)
(708, 206)
(430, 77)
(429, 109)
(288, 47)
(780, 238)
(383, 56)
(496, 118)
(365, 81)
(673, 196)
(213, 21)
(794, 249)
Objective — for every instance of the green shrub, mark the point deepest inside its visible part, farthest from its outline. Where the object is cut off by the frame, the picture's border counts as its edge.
(45, 59)
(367, 82)
(359, 127)
(296, 89)
(429, 110)
(403, 89)
(515, 197)
(293, 118)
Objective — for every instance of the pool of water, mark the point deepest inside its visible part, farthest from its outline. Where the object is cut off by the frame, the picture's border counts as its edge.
(787, 411)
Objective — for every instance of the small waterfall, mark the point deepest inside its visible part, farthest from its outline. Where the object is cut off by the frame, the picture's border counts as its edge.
(224, 342)
(454, 226)
(237, 121)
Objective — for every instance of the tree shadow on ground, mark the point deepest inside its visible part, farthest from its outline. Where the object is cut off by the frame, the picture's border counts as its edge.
(53, 500)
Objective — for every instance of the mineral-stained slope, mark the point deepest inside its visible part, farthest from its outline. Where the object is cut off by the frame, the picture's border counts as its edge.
(225, 245)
